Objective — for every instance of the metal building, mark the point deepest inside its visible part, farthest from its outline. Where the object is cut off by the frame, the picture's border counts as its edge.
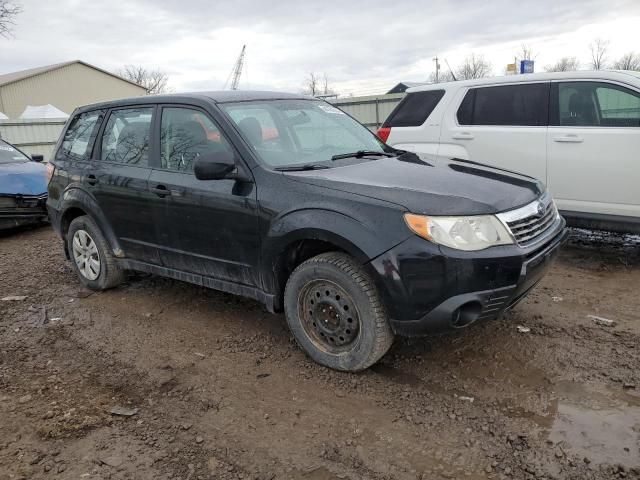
(371, 110)
(64, 85)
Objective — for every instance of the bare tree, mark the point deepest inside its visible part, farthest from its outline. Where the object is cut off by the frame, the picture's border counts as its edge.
(443, 76)
(526, 52)
(565, 64)
(474, 66)
(155, 81)
(629, 61)
(598, 50)
(326, 89)
(317, 85)
(312, 84)
(8, 13)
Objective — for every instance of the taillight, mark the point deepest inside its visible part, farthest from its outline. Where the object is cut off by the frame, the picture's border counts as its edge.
(50, 169)
(383, 133)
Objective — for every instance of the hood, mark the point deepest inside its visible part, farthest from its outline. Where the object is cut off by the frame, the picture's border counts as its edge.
(430, 185)
(23, 178)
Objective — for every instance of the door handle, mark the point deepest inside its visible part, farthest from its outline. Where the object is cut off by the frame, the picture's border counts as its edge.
(462, 136)
(92, 179)
(569, 138)
(160, 190)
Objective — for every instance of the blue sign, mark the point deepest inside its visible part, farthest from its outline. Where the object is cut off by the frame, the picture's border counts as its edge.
(526, 66)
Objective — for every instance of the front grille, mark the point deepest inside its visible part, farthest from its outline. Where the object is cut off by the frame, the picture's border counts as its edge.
(531, 227)
(529, 223)
(23, 205)
(7, 202)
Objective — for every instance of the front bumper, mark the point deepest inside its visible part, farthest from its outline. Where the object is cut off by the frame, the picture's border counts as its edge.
(428, 289)
(18, 210)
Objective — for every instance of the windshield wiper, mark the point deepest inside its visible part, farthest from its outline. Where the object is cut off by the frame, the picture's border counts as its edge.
(299, 168)
(362, 153)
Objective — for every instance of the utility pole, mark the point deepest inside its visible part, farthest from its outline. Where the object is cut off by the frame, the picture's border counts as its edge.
(237, 70)
(435, 59)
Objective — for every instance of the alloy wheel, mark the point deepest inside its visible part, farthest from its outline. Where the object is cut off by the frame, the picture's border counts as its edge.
(85, 254)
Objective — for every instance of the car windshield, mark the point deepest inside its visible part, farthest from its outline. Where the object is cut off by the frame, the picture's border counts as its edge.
(9, 154)
(301, 132)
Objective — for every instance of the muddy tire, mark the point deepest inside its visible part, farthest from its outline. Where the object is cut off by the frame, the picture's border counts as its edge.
(91, 255)
(335, 314)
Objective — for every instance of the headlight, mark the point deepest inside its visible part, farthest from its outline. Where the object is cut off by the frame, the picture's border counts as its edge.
(463, 233)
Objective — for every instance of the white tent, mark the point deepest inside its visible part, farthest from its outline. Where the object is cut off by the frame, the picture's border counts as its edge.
(3, 116)
(42, 111)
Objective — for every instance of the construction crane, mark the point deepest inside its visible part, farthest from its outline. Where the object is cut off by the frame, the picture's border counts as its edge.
(237, 70)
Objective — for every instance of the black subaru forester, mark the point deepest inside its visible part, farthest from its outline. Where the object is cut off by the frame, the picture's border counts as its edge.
(288, 200)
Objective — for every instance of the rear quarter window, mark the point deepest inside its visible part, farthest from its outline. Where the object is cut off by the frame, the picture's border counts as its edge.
(414, 109)
(78, 138)
(506, 105)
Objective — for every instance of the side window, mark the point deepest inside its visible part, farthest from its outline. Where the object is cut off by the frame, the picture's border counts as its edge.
(507, 105)
(185, 134)
(465, 111)
(597, 104)
(126, 136)
(78, 139)
(414, 109)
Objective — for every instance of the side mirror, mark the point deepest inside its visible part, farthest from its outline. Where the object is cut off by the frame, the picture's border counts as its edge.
(214, 166)
(37, 158)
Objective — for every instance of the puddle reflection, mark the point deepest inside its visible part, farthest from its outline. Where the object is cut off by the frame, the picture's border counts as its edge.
(602, 425)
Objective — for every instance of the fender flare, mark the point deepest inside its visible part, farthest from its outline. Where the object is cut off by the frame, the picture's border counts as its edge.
(77, 197)
(356, 238)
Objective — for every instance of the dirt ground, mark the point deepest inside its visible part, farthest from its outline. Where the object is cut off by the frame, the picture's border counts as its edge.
(159, 379)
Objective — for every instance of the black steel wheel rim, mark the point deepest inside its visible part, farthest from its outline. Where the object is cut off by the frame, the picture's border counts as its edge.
(329, 316)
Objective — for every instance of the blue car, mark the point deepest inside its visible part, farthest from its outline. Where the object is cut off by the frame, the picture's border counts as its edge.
(23, 188)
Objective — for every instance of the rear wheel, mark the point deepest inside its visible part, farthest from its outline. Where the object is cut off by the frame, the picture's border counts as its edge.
(335, 314)
(91, 255)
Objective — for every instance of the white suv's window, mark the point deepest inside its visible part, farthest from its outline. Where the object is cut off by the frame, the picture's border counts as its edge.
(597, 104)
(508, 105)
(414, 109)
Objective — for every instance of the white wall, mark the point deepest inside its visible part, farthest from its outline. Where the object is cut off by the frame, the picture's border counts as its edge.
(32, 136)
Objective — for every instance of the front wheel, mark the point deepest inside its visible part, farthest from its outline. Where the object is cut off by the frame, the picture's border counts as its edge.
(335, 314)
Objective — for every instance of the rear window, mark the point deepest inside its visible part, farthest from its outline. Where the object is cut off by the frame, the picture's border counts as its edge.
(517, 105)
(78, 139)
(414, 109)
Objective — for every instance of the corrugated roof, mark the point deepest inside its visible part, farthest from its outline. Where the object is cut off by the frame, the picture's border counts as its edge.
(403, 86)
(32, 72)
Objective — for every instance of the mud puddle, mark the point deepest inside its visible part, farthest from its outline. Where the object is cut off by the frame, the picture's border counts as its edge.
(600, 425)
(601, 436)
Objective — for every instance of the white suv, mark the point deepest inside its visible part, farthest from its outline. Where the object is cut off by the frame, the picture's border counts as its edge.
(578, 132)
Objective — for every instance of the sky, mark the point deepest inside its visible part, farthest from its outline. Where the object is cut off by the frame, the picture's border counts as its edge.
(363, 46)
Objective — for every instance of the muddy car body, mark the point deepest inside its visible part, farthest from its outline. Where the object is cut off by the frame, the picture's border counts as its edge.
(23, 188)
(287, 200)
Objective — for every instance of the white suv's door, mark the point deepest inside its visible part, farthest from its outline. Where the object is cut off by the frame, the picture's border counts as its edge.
(594, 148)
(501, 125)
